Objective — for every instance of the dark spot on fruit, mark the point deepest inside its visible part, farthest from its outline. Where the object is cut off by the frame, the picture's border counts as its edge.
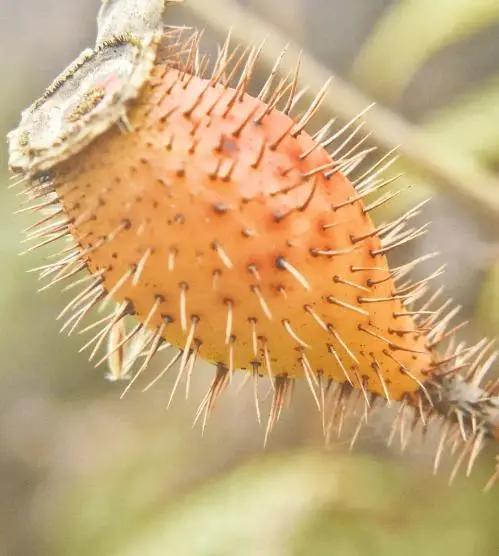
(280, 263)
(130, 308)
(221, 208)
(229, 145)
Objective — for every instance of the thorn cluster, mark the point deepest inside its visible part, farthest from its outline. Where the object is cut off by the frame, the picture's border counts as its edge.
(221, 229)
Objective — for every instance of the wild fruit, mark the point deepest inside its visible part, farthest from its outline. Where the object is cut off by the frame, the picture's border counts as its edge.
(229, 233)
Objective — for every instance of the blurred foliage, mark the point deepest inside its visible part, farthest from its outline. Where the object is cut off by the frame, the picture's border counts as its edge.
(291, 504)
(410, 33)
(83, 474)
(487, 313)
(469, 124)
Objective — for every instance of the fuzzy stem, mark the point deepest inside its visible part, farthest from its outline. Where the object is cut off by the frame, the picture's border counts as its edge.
(460, 400)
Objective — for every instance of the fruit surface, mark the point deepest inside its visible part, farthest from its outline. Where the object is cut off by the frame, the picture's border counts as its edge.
(228, 230)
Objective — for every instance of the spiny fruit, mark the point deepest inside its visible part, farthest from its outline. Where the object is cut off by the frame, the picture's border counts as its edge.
(231, 234)
(234, 234)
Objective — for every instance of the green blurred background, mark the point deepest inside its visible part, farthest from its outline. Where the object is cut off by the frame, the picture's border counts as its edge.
(83, 473)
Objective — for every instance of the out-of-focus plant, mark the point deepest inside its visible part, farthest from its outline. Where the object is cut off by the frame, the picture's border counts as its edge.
(411, 32)
(290, 504)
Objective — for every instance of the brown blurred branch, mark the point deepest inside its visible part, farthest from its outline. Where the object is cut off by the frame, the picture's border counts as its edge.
(452, 172)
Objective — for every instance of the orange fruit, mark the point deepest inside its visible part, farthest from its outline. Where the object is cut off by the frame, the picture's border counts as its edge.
(230, 233)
